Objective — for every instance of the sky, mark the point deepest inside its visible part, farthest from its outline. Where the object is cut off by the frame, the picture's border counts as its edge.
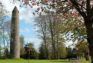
(27, 27)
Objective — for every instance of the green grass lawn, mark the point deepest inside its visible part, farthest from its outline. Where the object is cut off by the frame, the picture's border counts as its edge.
(84, 61)
(34, 61)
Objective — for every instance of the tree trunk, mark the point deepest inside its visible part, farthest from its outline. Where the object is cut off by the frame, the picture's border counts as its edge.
(57, 47)
(89, 30)
(91, 52)
(45, 42)
(52, 39)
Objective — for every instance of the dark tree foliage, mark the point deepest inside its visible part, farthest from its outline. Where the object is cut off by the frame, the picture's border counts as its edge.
(6, 53)
(42, 52)
(29, 52)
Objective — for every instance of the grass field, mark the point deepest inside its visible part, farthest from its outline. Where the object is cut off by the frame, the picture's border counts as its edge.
(84, 61)
(34, 61)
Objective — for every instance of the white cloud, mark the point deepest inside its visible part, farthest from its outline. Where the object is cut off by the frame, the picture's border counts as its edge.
(24, 30)
(9, 6)
(25, 12)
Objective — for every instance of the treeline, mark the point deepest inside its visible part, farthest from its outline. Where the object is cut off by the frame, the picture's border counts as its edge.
(50, 30)
(28, 51)
(55, 31)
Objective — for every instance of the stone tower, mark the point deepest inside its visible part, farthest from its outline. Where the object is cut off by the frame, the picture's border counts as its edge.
(14, 38)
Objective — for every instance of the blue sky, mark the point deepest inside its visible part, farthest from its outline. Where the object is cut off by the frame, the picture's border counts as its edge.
(28, 30)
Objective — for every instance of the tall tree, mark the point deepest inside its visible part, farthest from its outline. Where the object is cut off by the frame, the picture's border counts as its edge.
(50, 29)
(2, 29)
(85, 8)
(52, 33)
(42, 23)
